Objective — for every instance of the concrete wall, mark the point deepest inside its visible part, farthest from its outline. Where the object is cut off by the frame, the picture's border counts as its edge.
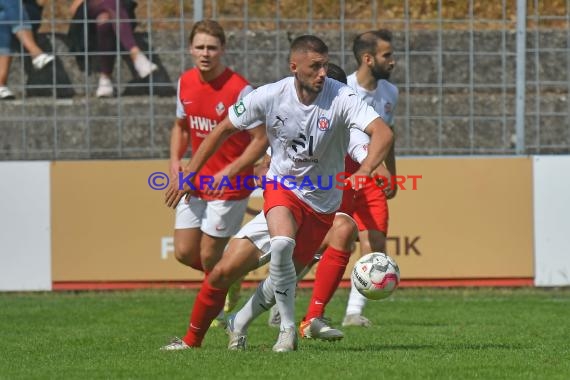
(437, 114)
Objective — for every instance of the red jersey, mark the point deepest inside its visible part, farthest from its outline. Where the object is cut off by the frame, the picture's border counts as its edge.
(203, 105)
(350, 166)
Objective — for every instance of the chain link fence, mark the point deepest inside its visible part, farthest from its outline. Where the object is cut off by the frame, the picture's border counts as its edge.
(456, 71)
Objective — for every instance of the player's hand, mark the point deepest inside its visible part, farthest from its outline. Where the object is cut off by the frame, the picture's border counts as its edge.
(174, 194)
(359, 180)
(384, 180)
(218, 190)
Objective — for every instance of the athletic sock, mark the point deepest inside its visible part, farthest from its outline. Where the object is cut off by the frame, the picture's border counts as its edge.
(262, 300)
(327, 278)
(283, 278)
(356, 302)
(208, 304)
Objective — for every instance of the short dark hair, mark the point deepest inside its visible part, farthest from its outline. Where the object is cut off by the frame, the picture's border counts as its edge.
(366, 42)
(210, 27)
(308, 43)
(336, 72)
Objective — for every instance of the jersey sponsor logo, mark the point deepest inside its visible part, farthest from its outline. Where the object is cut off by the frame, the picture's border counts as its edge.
(186, 102)
(323, 123)
(388, 107)
(239, 108)
(199, 123)
(220, 108)
(301, 141)
(306, 159)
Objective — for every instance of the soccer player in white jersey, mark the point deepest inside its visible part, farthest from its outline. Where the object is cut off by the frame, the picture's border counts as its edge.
(367, 207)
(373, 52)
(307, 118)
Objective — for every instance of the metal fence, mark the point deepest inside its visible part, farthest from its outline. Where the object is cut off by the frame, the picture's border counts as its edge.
(472, 79)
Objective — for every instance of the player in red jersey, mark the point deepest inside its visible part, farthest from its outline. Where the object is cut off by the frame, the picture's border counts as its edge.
(205, 93)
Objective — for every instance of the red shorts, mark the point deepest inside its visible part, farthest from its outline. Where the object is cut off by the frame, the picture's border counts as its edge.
(368, 207)
(311, 225)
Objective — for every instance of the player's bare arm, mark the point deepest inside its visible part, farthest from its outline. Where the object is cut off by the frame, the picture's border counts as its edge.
(381, 139)
(179, 142)
(256, 148)
(262, 168)
(390, 163)
(207, 148)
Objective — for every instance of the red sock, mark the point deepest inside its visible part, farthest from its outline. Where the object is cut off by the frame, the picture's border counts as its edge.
(329, 273)
(208, 304)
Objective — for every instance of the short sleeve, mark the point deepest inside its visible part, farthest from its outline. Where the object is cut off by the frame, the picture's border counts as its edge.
(180, 114)
(249, 111)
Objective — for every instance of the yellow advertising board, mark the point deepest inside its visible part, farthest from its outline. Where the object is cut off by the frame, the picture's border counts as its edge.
(466, 218)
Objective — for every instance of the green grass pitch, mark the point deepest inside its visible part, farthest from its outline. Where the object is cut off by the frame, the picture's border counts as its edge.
(471, 333)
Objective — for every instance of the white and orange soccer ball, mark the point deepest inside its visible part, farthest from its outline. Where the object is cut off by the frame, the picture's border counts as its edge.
(376, 275)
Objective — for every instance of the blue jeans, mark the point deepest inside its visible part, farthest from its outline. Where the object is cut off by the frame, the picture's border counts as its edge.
(13, 18)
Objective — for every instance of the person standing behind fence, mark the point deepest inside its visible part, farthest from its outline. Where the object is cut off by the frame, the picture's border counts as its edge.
(14, 20)
(106, 13)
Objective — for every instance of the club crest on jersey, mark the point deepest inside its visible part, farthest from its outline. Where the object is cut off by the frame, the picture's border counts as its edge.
(323, 123)
(388, 107)
(220, 108)
(239, 108)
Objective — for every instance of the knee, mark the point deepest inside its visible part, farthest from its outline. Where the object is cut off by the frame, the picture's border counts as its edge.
(186, 255)
(344, 233)
(221, 277)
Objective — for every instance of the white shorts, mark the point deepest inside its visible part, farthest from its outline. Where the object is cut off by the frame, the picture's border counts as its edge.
(217, 218)
(257, 231)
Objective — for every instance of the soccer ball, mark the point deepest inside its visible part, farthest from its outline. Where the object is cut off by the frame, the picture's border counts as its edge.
(376, 275)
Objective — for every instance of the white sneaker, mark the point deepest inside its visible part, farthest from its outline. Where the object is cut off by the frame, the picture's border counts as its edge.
(356, 320)
(6, 94)
(287, 340)
(176, 344)
(105, 88)
(144, 66)
(238, 340)
(42, 60)
(318, 328)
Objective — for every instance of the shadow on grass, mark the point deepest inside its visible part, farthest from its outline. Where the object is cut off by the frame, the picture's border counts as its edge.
(484, 346)
(323, 346)
(331, 346)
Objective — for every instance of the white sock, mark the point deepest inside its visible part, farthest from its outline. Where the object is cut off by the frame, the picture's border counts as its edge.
(284, 278)
(356, 302)
(262, 300)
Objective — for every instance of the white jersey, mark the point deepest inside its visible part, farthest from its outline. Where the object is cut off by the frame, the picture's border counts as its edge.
(384, 100)
(308, 143)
